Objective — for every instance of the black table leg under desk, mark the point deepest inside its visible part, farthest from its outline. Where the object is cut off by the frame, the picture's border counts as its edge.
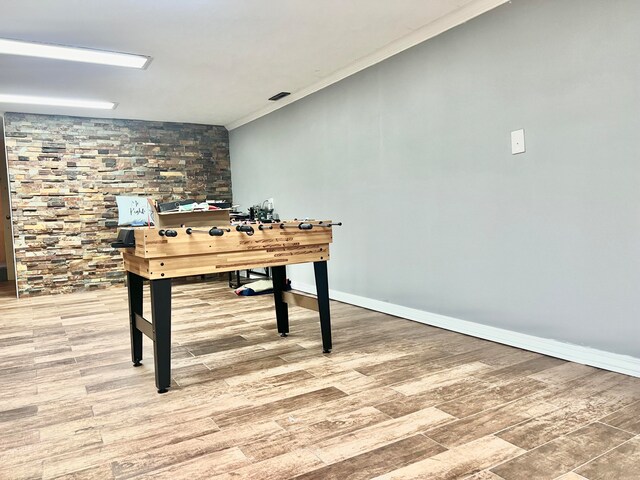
(158, 330)
(279, 275)
(320, 303)
(161, 318)
(322, 289)
(134, 287)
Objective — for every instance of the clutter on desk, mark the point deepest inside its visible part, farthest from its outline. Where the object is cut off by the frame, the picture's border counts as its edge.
(178, 213)
(262, 212)
(190, 205)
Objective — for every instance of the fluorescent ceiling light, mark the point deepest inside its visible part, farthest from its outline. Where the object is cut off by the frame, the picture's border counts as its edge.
(72, 54)
(56, 102)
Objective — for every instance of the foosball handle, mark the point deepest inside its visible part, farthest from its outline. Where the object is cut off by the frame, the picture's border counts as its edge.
(167, 233)
(305, 226)
(248, 229)
(189, 231)
(218, 232)
(262, 227)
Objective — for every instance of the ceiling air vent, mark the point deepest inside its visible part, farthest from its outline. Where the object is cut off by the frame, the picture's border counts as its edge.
(280, 95)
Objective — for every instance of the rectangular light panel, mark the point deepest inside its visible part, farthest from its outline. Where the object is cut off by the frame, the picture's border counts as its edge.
(56, 102)
(72, 54)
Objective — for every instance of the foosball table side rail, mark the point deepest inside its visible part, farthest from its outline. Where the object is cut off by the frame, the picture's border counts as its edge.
(157, 243)
(188, 265)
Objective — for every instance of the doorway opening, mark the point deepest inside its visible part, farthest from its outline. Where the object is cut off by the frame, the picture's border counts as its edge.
(8, 284)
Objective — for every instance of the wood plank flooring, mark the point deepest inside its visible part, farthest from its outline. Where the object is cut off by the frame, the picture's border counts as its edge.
(395, 399)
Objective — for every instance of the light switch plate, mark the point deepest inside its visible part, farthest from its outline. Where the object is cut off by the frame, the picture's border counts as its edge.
(517, 142)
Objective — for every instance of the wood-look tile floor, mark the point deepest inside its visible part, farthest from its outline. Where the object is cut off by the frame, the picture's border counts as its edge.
(395, 399)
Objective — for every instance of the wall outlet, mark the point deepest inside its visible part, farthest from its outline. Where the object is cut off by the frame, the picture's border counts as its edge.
(517, 142)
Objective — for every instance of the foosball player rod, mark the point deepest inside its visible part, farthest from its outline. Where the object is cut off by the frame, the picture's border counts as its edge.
(309, 226)
(248, 229)
(300, 226)
(339, 224)
(214, 231)
(167, 233)
(218, 232)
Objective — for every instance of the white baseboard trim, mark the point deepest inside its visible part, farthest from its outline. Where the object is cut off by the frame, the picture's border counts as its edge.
(575, 353)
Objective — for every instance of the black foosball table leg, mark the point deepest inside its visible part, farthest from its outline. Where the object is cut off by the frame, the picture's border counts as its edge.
(279, 275)
(161, 314)
(134, 287)
(237, 284)
(322, 289)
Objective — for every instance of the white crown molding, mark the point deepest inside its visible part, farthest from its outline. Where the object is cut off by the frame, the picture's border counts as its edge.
(574, 353)
(442, 24)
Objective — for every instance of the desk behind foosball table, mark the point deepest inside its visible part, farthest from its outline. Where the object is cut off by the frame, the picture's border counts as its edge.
(159, 255)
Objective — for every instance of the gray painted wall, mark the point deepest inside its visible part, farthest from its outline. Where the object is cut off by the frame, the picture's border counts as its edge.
(413, 155)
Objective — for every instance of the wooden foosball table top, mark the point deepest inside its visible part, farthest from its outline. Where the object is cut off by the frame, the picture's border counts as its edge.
(193, 251)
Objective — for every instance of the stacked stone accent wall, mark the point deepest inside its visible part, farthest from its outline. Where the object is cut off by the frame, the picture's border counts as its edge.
(65, 173)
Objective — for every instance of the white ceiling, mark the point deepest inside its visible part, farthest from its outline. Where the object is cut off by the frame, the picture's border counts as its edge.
(214, 61)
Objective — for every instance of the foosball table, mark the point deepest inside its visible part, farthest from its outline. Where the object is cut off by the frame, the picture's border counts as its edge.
(161, 254)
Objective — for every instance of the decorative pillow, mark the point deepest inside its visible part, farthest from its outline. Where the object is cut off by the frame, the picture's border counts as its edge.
(134, 210)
